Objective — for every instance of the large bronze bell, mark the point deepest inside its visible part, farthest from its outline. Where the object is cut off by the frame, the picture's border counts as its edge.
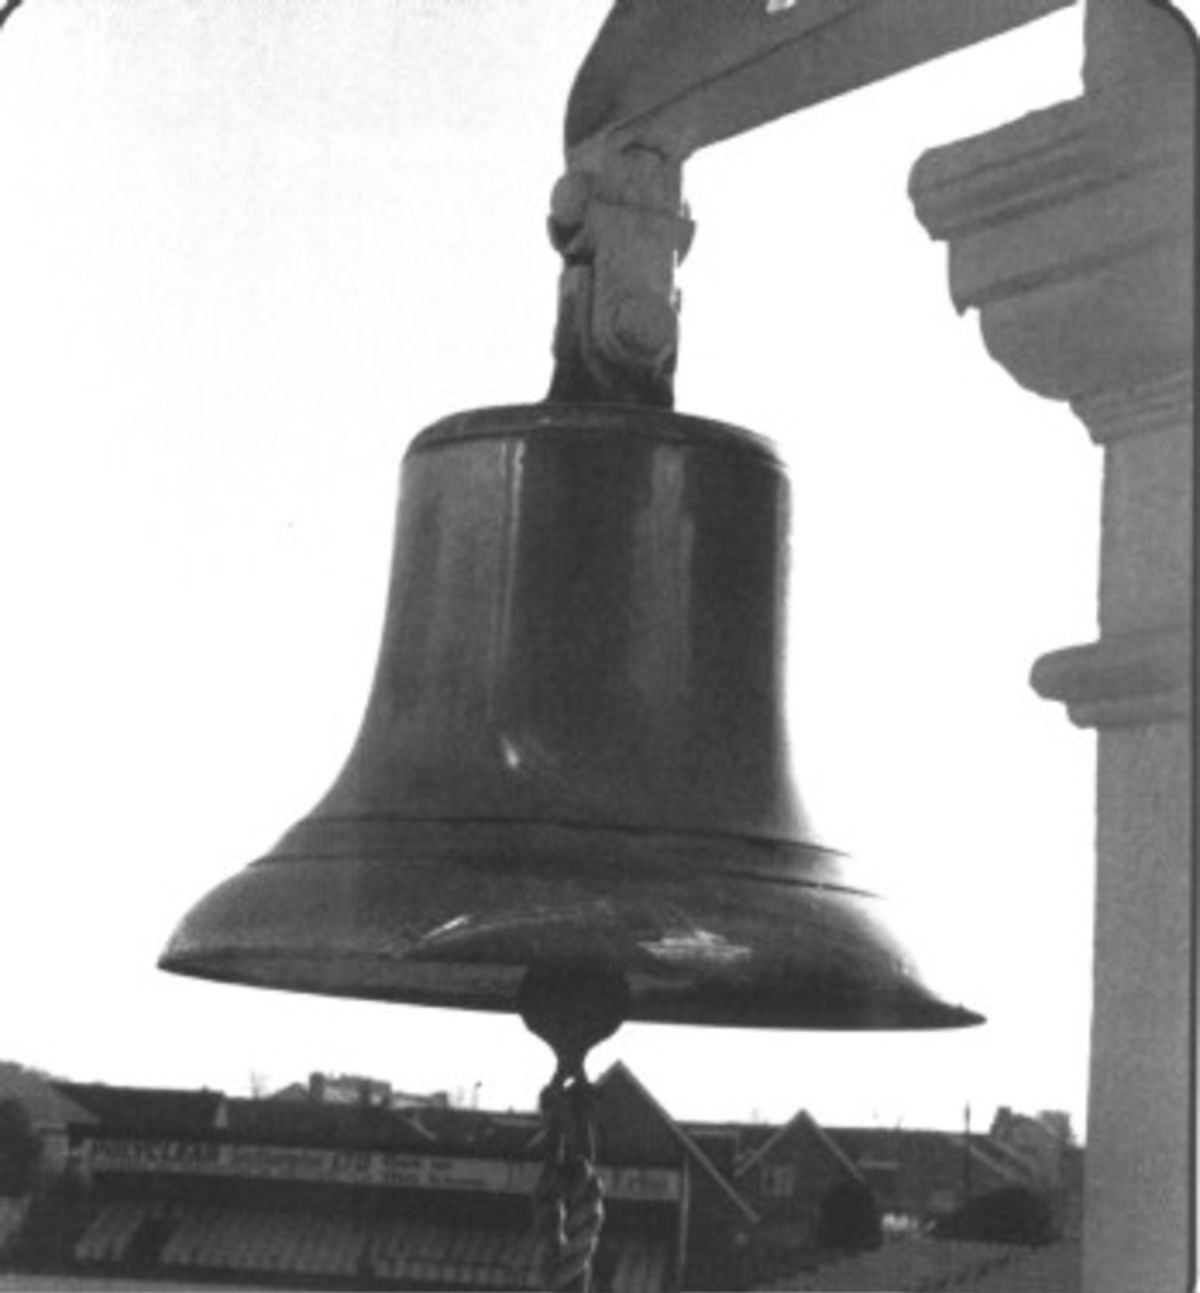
(574, 754)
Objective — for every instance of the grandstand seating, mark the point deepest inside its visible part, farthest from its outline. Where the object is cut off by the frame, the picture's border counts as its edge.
(112, 1230)
(220, 1240)
(474, 1257)
(641, 1266)
(12, 1217)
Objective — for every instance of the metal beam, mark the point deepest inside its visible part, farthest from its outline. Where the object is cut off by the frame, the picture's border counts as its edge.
(678, 75)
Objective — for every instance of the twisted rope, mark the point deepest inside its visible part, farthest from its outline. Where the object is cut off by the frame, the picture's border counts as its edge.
(568, 1200)
(570, 1008)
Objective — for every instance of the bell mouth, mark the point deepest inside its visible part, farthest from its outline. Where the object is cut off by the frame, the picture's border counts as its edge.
(705, 930)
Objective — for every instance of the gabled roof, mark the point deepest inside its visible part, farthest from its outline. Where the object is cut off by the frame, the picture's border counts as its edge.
(748, 1136)
(293, 1091)
(619, 1071)
(802, 1119)
(44, 1103)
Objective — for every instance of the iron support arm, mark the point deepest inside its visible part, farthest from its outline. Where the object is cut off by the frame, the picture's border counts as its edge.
(666, 78)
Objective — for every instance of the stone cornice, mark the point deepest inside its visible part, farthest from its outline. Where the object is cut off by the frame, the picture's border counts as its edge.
(1047, 200)
(1037, 161)
(1044, 159)
(1071, 230)
(1123, 680)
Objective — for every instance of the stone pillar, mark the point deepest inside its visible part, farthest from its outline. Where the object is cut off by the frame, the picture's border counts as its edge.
(1071, 232)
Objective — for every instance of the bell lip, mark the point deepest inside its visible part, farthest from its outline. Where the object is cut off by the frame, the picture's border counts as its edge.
(698, 944)
(548, 419)
(846, 1015)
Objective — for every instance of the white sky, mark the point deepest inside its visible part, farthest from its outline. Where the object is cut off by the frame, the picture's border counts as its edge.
(246, 252)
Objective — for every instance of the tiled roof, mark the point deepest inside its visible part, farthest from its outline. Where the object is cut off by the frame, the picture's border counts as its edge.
(884, 1143)
(418, 1130)
(923, 1163)
(156, 1112)
(146, 1110)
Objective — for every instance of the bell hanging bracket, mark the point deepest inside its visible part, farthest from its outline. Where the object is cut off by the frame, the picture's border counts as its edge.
(618, 220)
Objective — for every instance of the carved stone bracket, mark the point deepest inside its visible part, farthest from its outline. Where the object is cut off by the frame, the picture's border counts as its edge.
(1063, 228)
(617, 218)
(1071, 232)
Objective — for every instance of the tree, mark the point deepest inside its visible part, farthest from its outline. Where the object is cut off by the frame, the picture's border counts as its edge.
(1058, 1124)
(19, 1148)
(848, 1220)
(1012, 1215)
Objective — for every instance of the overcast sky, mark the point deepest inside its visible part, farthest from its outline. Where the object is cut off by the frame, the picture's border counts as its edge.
(248, 251)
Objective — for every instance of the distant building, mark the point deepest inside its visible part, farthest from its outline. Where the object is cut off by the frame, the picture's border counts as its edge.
(327, 1088)
(194, 1184)
(50, 1111)
(791, 1174)
(925, 1175)
(331, 1183)
(1047, 1144)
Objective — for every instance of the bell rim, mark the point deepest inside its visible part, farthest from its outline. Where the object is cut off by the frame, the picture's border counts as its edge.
(752, 1010)
(714, 950)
